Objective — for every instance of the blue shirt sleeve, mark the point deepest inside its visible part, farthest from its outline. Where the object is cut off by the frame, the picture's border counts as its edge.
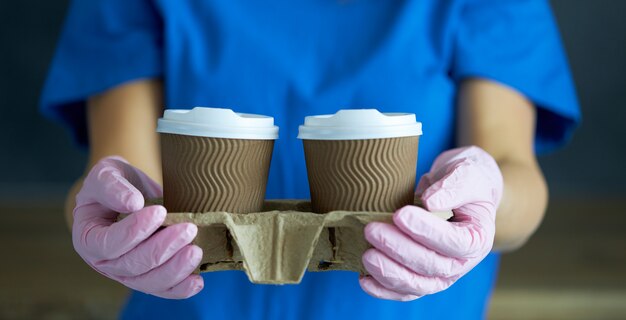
(103, 43)
(516, 43)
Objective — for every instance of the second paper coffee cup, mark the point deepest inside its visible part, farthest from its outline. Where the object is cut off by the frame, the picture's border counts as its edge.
(361, 160)
(215, 159)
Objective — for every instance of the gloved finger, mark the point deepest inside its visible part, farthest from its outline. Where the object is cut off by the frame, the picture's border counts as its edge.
(437, 172)
(423, 184)
(376, 290)
(149, 188)
(467, 180)
(441, 165)
(106, 184)
(169, 274)
(396, 277)
(151, 253)
(102, 242)
(452, 239)
(187, 288)
(456, 188)
(401, 248)
(94, 214)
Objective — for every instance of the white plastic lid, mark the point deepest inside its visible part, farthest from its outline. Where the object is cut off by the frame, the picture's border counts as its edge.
(217, 123)
(357, 124)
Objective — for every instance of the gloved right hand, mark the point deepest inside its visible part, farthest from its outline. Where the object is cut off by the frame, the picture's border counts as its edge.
(129, 251)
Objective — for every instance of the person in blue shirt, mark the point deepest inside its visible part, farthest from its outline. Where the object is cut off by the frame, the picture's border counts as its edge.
(489, 73)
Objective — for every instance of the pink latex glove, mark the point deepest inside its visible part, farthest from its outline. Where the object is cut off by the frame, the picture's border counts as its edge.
(422, 254)
(129, 251)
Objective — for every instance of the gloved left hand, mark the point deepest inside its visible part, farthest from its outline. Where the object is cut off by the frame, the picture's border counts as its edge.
(422, 254)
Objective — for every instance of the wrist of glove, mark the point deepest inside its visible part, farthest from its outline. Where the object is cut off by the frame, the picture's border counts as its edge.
(421, 254)
(133, 251)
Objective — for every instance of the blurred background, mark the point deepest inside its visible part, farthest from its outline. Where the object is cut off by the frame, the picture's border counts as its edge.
(573, 268)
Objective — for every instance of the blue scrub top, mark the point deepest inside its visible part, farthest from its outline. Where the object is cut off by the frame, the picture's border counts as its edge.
(290, 59)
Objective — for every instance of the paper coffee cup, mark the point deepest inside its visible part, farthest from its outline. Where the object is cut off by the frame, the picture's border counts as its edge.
(215, 159)
(361, 160)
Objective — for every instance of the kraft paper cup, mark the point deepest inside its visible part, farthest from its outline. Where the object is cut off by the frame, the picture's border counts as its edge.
(361, 160)
(215, 159)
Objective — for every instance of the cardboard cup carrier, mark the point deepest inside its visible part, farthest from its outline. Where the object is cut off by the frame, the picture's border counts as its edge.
(361, 167)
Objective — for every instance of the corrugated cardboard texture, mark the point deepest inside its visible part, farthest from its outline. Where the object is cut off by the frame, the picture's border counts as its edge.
(277, 245)
(361, 175)
(203, 174)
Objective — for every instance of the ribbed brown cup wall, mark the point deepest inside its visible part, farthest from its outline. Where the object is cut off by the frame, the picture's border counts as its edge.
(213, 174)
(361, 175)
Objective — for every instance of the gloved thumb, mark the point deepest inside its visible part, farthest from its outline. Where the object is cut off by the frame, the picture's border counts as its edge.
(108, 185)
(474, 178)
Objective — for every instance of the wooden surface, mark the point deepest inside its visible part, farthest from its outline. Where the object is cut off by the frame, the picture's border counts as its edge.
(574, 268)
